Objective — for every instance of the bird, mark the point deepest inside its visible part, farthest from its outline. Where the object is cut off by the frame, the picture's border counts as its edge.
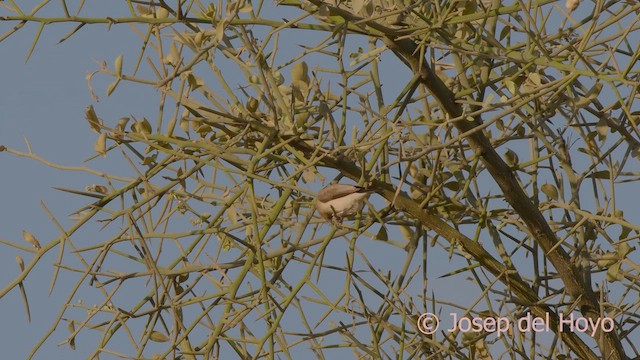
(338, 201)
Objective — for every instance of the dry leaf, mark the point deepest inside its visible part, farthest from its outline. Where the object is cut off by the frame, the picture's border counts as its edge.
(572, 4)
(94, 122)
(550, 191)
(157, 336)
(28, 237)
(101, 145)
(300, 72)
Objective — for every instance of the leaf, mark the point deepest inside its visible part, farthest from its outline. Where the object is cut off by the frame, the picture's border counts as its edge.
(504, 32)
(195, 81)
(550, 191)
(72, 329)
(211, 11)
(141, 126)
(20, 262)
(101, 189)
(117, 65)
(173, 58)
(101, 145)
(300, 72)
(590, 96)
(624, 232)
(308, 175)
(277, 76)
(94, 122)
(572, 4)
(220, 27)
(623, 249)
(252, 104)
(300, 90)
(535, 78)
(357, 5)
(157, 336)
(232, 214)
(452, 185)
(247, 8)
(225, 242)
(205, 129)
(613, 273)
(254, 79)
(511, 158)
(602, 128)
(511, 86)
(487, 101)
(122, 123)
(382, 234)
(143, 10)
(31, 239)
(602, 174)
(112, 87)
(162, 13)
(323, 10)
(406, 232)
(301, 118)
(594, 91)
(607, 259)
(184, 124)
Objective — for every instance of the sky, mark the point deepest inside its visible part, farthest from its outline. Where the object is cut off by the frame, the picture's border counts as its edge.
(43, 102)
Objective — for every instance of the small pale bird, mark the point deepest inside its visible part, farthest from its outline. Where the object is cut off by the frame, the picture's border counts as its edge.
(338, 201)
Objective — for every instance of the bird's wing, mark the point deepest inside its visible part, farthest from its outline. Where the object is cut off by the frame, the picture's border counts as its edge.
(335, 191)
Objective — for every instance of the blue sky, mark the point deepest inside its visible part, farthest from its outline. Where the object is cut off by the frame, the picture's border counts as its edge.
(44, 101)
